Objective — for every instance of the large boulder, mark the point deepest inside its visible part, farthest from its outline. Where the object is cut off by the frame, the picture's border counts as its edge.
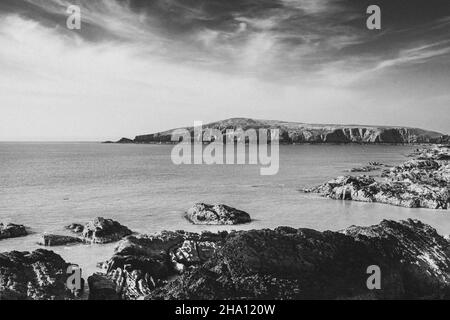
(218, 214)
(39, 275)
(143, 262)
(100, 230)
(11, 230)
(288, 263)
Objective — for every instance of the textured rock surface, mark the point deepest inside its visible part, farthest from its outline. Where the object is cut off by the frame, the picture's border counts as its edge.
(437, 153)
(39, 275)
(52, 240)
(11, 230)
(422, 182)
(288, 263)
(75, 227)
(293, 132)
(101, 287)
(143, 262)
(101, 230)
(202, 213)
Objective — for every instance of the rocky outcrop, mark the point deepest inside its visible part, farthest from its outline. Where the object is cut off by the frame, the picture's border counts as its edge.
(219, 214)
(144, 262)
(100, 230)
(439, 152)
(53, 240)
(11, 230)
(39, 275)
(427, 172)
(294, 132)
(417, 183)
(288, 263)
(398, 193)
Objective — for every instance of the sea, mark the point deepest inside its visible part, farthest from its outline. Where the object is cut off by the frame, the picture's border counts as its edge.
(47, 186)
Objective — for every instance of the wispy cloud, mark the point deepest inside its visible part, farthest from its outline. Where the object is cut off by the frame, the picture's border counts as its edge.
(156, 64)
(416, 55)
(276, 37)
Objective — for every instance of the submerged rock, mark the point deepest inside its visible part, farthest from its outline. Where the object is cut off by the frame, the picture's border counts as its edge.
(372, 166)
(288, 263)
(101, 230)
(39, 275)
(219, 214)
(51, 240)
(11, 230)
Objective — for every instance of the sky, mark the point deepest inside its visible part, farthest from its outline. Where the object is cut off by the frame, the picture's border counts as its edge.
(138, 66)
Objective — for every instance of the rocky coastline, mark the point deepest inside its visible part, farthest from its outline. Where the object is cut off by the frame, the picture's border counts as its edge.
(280, 263)
(283, 263)
(422, 182)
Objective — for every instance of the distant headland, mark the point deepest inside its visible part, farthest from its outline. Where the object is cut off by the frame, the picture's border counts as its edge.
(296, 132)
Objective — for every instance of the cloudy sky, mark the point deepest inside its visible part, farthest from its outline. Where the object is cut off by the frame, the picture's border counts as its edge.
(141, 66)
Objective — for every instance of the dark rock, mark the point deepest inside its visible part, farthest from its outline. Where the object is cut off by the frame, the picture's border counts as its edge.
(101, 287)
(101, 230)
(219, 214)
(39, 275)
(52, 240)
(11, 230)
(143, 262)
(306, 264)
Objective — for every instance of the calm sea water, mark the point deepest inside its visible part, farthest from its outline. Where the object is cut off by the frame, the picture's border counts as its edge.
(49, 185)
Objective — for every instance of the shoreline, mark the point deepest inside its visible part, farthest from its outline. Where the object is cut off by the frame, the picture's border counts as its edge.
(422, 182)
(137, 271)
(141, 280)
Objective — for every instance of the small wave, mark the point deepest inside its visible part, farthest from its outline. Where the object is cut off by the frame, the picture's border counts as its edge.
(268, 185)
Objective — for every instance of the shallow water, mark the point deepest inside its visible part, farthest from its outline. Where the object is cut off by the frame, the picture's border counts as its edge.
(49, 185)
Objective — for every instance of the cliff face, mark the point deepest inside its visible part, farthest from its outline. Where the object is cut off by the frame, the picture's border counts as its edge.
(293, 132)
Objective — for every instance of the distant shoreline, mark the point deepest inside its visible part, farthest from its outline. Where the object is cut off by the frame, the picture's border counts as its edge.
(242, 129)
